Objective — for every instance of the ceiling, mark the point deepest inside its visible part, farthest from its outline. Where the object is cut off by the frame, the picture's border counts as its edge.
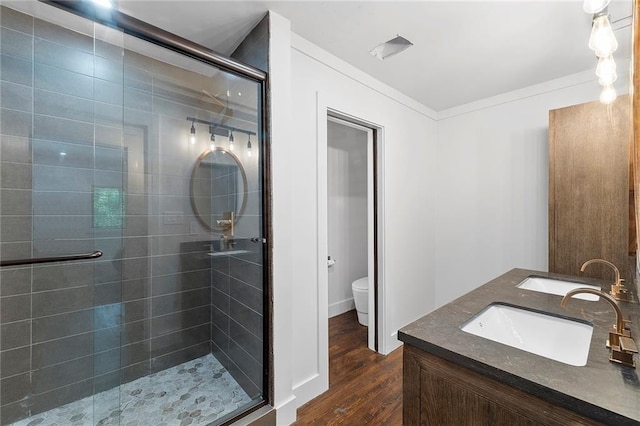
(463, 50)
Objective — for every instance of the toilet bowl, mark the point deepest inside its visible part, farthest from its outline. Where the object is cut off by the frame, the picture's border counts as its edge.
(360, 288)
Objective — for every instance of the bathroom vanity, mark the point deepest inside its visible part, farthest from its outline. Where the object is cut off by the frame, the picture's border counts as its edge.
(454, 377)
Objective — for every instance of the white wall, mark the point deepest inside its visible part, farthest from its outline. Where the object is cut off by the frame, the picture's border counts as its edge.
(282, 210)
(464, 198)
(492, 196)
(347, 212)
(409, 215)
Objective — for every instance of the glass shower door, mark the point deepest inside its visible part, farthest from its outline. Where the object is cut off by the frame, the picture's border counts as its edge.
(62, 193)
(115, 145)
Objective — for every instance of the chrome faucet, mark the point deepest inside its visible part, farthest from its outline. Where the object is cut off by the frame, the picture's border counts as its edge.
(621, 345)
(618, 290)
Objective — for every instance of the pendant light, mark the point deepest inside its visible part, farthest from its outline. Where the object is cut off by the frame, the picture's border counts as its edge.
(213, 138)
(608, 95)
(595, 6)
(192, 133)
(602, 39)
(231, 140)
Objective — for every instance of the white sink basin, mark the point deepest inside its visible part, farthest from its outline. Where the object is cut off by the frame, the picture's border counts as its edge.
(549, 336)
(559, 287)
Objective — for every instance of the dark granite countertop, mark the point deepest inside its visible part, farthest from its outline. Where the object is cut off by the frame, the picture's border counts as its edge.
(601, 390)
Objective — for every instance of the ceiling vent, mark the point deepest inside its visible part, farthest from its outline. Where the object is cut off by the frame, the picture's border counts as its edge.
(390, 48)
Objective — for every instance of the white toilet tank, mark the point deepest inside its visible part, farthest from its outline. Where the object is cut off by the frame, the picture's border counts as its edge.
(360, 288)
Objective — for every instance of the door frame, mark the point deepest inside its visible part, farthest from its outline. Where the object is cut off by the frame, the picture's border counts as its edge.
(377, 335)
(372, 337)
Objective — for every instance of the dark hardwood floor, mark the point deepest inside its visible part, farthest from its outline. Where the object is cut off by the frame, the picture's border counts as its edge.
(365, 388)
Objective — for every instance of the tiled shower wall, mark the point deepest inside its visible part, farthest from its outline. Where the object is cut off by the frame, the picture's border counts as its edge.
(83, 120)
(237, 285)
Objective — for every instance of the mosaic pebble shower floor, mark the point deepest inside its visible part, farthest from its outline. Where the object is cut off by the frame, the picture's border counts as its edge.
(197, 392)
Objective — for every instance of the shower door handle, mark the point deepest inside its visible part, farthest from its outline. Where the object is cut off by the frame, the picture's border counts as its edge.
(259, 240)
(17, 262)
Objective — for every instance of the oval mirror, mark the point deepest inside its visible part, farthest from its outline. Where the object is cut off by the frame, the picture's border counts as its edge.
(218, 186)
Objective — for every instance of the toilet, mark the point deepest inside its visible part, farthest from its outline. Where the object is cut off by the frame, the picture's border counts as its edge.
(360, 288)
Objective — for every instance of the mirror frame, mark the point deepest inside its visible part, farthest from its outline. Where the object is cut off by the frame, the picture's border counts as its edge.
(195, 209)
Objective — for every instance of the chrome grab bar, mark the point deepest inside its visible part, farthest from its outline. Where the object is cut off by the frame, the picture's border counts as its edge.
(17, 262)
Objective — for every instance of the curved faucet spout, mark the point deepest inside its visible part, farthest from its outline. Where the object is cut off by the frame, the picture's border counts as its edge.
(606, 262)
(619, 322)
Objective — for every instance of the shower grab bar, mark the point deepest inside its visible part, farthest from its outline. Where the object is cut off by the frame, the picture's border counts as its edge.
(17, 262)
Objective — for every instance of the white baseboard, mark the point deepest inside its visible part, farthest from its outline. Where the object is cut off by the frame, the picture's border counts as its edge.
(286, 412)
(310, 388)
(341, 307)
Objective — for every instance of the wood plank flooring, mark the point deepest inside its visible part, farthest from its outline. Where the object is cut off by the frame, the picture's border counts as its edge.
(365, 388)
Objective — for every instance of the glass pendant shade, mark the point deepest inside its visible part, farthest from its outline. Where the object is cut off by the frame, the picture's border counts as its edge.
(192, 134)
(608, 79)
(606, 66)
(602, 39)
(594, 6)
(608, 95)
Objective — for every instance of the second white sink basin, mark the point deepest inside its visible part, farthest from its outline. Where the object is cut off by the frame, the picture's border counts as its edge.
(546, 335)
(558, 287)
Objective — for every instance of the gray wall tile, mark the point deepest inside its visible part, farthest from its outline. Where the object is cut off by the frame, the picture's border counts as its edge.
(15, 308)
(15, 149)
(16, 44)
(57, 376)
(59, 276)
(15, 228)
(15, 281)
(63, 106)
(63, 130)
(50, 178)
(15, 202)
(16, 97)
(15, 335)
(15, 123)
(16, 20)
(60, 56)
(180, 340)
(246, 340)
(15, 176)
(172, 283)
(246, 272)
(14, 388)
(16, 70)
(173, 322)
(61, 301)
(58, 397)
(65, 36)
(249, 366)
(61, 350)
(246, 317)
(162, 305)
(62, 325)
(246, 294)
(62, 81)
(15, 361)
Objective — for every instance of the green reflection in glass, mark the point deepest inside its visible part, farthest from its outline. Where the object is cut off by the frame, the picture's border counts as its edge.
(108, 208)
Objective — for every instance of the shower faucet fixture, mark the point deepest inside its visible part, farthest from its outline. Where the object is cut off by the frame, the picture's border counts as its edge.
(227, 224)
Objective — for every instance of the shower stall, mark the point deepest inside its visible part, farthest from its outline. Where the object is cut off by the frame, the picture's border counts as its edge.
(132, 289)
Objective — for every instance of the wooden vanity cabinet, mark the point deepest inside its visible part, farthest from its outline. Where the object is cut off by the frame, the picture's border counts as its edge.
(439, 392)
(589, 163)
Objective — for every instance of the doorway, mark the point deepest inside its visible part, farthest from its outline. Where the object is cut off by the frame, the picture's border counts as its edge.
(352, 223)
